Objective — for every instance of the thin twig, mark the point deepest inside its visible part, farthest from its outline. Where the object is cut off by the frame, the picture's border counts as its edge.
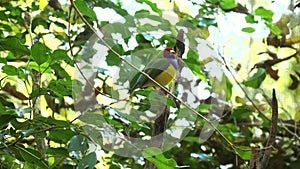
(283, 125)
(242, 88)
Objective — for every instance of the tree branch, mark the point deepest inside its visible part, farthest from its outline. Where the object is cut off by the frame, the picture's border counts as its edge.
(260, 157)
(273, 131)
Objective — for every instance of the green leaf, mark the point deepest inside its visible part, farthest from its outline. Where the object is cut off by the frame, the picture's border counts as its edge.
(250, 19)
(118, 28)
(112, 5)
(204, 107)
(39, 52)
(26, 133)
(5, 119)
(10, 111)
(228, 88)
(155, 155)
(62, 25)
(93, 118)
(167, 38)
(241, 112)
(22, 73)
(206, 22)
(61, 135)
(14, 45)
(88, 161)
(193, 139)
(152, 5)
(6, 27)
(60, 55)
(57, 151)
(244, 152)
(39, 21)
(40, 68)
(78, 143)
(85, 9)
(112, 59)
(60, 72)
(212, 1)
(170, 102)
(10, 70)
(248, 29)
(192, 62)
(256, 80)
(20, 125)
(61, 87)
(52, 121)
(3, 60)
(228, 4)
(142, 11)
(264, 13)
(6, 103)
(38, 92)
(33, 156)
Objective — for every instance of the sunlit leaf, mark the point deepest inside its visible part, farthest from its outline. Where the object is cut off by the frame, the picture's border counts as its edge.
(248, 30)
(264, 13)
(228, 88)
(274, 29)
(228, 4)
(250, 19)
(43, 3)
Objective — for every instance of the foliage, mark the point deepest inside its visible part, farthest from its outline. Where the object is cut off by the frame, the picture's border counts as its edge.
(64, 103)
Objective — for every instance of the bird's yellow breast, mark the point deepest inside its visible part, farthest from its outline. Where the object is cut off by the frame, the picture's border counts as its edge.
(165, 77)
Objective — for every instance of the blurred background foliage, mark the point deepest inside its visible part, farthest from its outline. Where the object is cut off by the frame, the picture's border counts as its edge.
(46, 103)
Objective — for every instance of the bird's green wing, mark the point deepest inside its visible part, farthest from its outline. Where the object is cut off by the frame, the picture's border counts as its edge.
(153, 69)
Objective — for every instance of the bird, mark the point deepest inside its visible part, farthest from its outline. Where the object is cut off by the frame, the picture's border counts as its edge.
(163, 70)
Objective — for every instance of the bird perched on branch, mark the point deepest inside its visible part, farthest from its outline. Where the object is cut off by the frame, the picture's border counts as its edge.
(163, 70)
